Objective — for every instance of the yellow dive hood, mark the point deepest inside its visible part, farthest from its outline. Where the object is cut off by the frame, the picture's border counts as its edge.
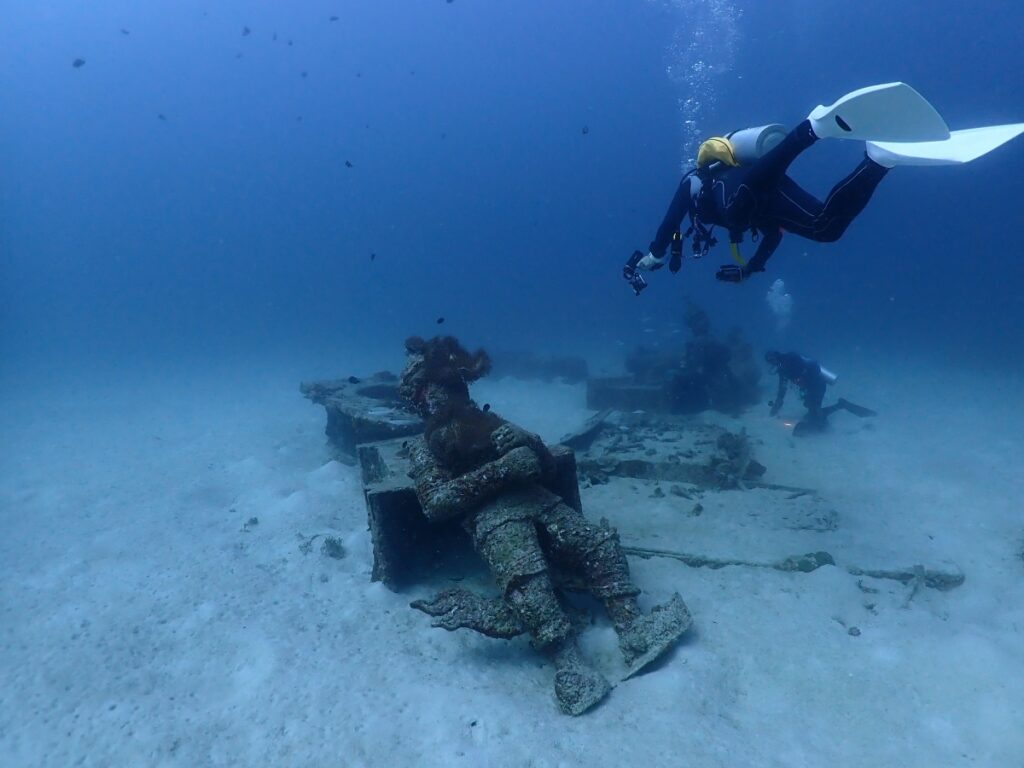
(716, 149)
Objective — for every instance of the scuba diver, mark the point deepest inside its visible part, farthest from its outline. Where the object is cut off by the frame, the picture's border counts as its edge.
(812, 379)
(740, 182)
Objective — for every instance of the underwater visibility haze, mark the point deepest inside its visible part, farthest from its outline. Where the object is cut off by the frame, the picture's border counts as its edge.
(203, 204)
(193, 189)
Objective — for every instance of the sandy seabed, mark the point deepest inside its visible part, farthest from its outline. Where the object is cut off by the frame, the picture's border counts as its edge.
(145, 620)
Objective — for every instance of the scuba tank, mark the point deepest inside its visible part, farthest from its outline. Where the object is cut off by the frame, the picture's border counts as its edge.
(830, 378)
(716, 155)
(751, 143)
(738, 148)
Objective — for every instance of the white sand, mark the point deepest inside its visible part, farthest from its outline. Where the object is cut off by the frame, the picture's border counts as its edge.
(140, 625)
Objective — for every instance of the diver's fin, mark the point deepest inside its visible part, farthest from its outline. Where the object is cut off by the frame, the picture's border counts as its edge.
(856, 410)
(960, 147)
(887, 112)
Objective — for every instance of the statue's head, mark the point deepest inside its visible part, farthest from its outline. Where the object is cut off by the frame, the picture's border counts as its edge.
(438, 371)
(436, 383)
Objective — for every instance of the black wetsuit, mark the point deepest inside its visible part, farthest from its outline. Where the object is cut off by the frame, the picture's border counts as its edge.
(761, 197)
(807, 375)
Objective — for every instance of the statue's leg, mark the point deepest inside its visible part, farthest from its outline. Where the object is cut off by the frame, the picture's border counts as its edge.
(594, 551)
(512, 550)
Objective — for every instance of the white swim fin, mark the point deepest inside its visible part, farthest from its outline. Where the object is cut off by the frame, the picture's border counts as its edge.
(960, 147)
(887, 112)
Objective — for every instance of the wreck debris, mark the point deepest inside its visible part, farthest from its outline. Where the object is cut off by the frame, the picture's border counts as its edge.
(672, 449)
(361, 411)
(333, 548)
(707, 374)
(916, 576)
(583, 438)
(801, 563)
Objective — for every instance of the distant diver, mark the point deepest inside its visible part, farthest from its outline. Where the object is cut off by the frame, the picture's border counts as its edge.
(812, 379)
(740, 182)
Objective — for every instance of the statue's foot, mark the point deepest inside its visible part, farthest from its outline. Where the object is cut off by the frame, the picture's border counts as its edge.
(579, 689)
(648, 637)
(578, 686)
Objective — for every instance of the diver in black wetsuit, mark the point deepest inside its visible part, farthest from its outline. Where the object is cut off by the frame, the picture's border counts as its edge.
(740, 182)
(759, 197)
(812, 380)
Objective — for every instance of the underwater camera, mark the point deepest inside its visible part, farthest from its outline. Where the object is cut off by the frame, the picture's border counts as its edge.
(637, 282)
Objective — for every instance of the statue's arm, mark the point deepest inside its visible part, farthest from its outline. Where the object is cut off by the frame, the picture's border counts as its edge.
(443, 497)
(510, 436)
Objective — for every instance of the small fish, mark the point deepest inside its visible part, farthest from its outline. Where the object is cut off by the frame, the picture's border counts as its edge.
(161, 116)
(354, 379)
(246, 31)
(125, 31)
(78, 63)
(304, 73)
(373, 256)
(440, 320)
(274, 37)
(359, 74)
(289, 43)
(487, 407)
(348, 164)
(298, 119)
(586, 129)
(333, 18)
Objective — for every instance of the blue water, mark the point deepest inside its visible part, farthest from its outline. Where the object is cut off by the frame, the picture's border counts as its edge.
(234, 226)
(196, 219)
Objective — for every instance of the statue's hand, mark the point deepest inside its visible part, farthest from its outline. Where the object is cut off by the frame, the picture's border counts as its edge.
(509, 436)
(447, 608)
(457, 608)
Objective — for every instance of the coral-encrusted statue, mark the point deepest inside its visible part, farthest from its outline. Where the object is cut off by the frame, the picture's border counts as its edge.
(473, 465)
